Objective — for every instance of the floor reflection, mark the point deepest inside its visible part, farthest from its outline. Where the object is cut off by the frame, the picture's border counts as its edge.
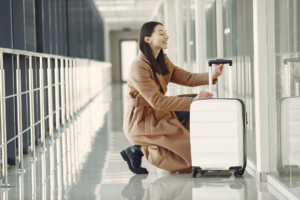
(83, 162)
(183, 187)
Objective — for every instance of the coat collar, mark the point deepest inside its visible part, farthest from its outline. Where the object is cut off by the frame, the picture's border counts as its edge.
(159, 77)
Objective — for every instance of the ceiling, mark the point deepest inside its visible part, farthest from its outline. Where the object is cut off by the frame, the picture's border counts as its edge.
(126, 14)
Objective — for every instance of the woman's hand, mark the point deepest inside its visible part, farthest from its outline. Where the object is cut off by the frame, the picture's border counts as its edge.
(218, 71)
(204, 95)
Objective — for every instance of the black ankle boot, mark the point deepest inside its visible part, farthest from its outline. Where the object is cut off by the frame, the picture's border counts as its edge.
(133, 156)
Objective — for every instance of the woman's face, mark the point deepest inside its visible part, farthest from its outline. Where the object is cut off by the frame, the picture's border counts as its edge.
(159, 38)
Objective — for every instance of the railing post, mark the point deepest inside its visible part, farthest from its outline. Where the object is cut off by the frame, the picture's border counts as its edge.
(75, 115)
(19, 117)
(62, 86)
(67, 91)
(42, 104)
(57, 95)
(31, 101)
(50, 105)
(3, 124)
(68, 125)
(58, 136)
(63, 114)
(71, 125)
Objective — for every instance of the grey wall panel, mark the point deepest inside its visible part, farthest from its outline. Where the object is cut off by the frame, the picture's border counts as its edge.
(100, 52)
(81, 9)
(39, 26)
(46, 26)
(95, 36)
(59, 19)
(24, 66)
(30, 25)
(88, 32)
(53, 90)
(46, 111)
(36, 96)
(18, 24)
(53, 27)
(5, 25)
(64, 28)
(73, 28)
(10, 77)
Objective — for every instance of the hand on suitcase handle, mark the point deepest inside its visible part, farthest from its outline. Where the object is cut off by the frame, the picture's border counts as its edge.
(218, 71)
(204, 95)
(211, 62)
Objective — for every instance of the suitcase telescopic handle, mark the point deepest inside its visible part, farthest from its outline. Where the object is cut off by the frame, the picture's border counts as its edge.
(287, 89)
(210, 63)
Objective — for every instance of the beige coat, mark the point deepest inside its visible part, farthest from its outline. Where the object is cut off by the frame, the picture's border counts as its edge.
(149, 118)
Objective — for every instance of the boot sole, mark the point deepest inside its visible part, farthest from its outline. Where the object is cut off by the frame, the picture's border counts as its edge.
(125, 157)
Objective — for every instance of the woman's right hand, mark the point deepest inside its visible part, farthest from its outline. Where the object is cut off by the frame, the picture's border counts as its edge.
(204, 95)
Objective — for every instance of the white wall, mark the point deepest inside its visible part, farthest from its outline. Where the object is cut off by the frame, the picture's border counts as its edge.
(115, 57)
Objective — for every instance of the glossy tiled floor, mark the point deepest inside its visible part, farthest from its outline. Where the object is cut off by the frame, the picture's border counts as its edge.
(89, 166)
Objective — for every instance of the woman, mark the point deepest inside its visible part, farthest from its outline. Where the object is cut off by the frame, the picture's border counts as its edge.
(150, 122)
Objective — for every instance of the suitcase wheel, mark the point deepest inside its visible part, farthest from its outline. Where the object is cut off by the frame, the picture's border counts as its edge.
(241, 173)
(236, 174)
(194, 173)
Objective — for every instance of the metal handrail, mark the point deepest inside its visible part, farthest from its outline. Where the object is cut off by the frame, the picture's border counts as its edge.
(44, 55)
(70, 98)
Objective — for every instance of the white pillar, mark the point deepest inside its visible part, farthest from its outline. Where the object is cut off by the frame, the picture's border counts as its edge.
(180, 36)
(170, 26)
(107, 42)
(261, 85)
(272, 85)
(188, 39)
(220, 47)
(200, 35)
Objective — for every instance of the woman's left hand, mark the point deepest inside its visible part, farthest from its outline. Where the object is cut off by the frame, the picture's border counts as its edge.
(218, 71)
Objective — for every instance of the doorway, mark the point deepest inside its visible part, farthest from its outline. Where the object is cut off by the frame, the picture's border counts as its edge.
(129, 50)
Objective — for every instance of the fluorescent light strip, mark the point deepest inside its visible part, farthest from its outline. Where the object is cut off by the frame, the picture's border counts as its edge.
(128, 19)
(122, 8)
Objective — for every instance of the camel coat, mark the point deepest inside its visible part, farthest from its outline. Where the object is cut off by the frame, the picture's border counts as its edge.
(149, 118)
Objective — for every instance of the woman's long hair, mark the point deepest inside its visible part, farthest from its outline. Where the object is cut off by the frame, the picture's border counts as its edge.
(158, 65)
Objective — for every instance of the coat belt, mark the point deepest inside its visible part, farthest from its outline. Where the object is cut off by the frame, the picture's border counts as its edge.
(137, 102)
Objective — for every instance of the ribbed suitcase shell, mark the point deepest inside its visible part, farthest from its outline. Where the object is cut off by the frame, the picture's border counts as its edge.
(217, 128)
(289, 138)
(288, 123)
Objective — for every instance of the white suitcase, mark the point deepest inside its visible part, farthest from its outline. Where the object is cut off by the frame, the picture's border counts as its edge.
(218, 132)
(288, 122)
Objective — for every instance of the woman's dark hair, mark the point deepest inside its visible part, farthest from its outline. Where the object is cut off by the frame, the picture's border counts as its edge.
(158, 64)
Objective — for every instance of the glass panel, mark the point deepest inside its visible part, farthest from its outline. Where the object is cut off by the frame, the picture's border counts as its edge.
(211, 34)
(128, 53)
(284, 100)
(192, 43)
(238, 47)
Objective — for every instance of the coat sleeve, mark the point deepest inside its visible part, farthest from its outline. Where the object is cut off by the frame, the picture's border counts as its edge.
(140, 77)
(183, 77)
